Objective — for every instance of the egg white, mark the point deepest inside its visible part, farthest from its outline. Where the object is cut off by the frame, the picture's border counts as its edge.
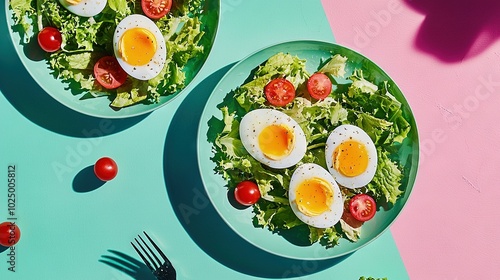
(85, 8)
(255, 121)
(328, 218)
(154, 67)
(350, 132)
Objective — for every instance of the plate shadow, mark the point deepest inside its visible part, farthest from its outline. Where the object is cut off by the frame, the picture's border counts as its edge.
(194, 210)
(29, 99)
(456, 30)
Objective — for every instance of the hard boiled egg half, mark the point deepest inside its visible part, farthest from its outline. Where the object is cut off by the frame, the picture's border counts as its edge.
(351, 156)
(84, 8)
(139, 47)
(273, 138)
(315, 197)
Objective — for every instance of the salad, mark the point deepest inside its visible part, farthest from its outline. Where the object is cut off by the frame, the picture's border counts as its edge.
(352, 98)
(81, 50)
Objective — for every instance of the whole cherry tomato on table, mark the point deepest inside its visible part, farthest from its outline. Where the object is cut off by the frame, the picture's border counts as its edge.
(9, 234)
(105, 169)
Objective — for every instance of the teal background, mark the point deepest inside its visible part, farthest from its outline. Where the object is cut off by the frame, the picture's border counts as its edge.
(75, 227)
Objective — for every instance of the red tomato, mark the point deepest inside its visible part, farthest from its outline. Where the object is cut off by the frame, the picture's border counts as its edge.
(319, 86)
(362, 207)
(279, 92)
(109, 73)
(155, 9)
(49, 39)
(247, 193)
(105, 169)
(9, 234)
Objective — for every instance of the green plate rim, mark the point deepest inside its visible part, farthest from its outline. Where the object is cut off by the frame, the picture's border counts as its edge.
(211, 180)
(99, 107)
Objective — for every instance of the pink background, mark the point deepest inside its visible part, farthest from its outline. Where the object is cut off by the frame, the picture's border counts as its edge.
(445, 56)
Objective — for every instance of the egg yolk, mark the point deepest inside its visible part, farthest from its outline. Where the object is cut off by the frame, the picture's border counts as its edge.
(73, 2)
(276, 141)
(137, 46)
(314, 196)
(350, 158)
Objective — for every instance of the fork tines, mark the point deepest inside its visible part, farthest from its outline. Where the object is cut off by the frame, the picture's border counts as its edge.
(162, 269)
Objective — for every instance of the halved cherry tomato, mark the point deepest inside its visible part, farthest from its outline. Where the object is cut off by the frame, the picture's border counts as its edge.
(362, 207)
(319, 86)
(279, 92)
(155, 9)
(49, 39)
(109, 73)
(105, 169)
(247, 193)
(9, 234)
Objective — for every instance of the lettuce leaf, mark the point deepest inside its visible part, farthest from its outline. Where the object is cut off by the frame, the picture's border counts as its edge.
(362, 102)
(335, 66)
(387, 180)
(24, 14)
(87, 39)
(251, 94)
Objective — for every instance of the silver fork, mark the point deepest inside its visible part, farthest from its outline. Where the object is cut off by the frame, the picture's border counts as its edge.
(161, 269)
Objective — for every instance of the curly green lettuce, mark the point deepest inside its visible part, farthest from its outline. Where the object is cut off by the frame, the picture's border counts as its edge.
(361, 103)
(335, 66)
(85, 40)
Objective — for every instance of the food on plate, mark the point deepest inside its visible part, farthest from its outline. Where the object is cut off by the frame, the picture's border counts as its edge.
(109, 73)
(105, 169)
(84, 8)
(319, 86)
(315, 197)
(156, 9)
(362, 207)
(9, 234)
(359, 112)
(247, 193)
(49, 39)
(279, 92)
(272, 138)
(139, 47)
(155, 54)
(351, 156)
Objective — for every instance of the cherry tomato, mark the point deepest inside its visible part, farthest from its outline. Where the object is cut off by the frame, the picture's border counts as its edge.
(362, 207)
(9, 234)
(109, 73)
(105, 169)
(279, 92)
(49, 39)
(155, 9)
(247, 193)
(319, 86)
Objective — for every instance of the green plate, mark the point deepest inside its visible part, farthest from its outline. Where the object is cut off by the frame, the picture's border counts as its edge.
(32, 58)
(241, 220)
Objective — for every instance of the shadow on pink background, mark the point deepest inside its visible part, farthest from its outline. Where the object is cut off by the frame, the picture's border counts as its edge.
(445, 57)
(455, 30)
